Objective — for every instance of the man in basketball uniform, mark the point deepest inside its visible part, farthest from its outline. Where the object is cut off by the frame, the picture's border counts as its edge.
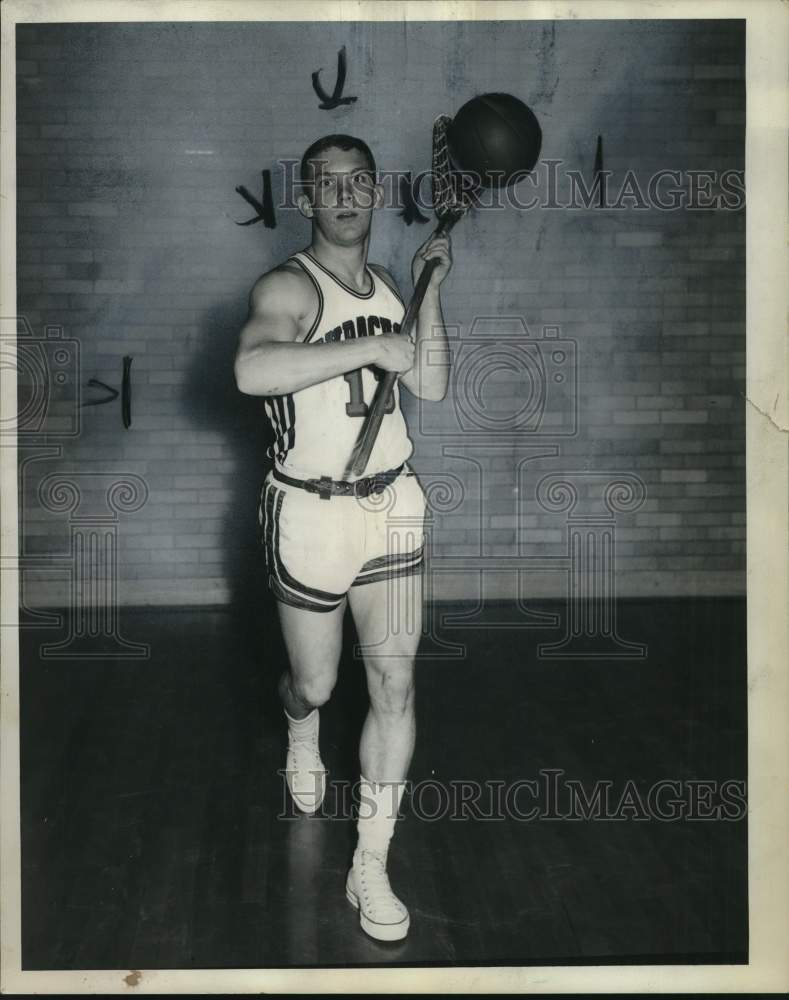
(323, 327)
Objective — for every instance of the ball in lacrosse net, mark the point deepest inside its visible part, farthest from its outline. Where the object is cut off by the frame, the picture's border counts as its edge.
(495, 137)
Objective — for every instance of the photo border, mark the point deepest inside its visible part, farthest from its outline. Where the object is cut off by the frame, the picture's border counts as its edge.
(767, 519)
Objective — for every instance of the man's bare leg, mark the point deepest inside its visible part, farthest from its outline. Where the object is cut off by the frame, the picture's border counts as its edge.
(313, 641)
(388, 618)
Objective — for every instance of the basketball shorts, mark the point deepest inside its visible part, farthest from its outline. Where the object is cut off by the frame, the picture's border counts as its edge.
(317, 549)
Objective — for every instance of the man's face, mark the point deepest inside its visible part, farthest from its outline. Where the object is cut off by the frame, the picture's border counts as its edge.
(343, 196)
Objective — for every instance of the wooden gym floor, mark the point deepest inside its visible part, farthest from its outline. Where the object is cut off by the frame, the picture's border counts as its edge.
(156, 832)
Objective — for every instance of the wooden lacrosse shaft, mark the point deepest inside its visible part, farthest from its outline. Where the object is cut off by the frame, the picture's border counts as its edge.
(372, 423)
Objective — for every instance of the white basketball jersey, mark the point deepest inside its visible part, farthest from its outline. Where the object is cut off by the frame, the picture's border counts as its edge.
(316, 428)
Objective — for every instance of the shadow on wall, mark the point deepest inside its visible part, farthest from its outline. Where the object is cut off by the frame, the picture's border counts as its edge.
(213, 402)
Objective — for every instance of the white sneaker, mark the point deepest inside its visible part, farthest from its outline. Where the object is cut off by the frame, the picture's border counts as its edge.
(305, 773)
(382, 915)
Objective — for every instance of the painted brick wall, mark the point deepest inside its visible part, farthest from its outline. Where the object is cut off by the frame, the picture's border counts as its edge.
(131, 141)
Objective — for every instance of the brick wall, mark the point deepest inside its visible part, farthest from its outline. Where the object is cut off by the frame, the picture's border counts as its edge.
(131, 141)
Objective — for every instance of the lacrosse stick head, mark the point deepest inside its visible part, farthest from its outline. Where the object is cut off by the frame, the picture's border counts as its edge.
(453, 194)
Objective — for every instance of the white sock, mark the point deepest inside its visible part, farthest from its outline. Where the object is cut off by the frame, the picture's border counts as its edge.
(304, 728)
(377, 814)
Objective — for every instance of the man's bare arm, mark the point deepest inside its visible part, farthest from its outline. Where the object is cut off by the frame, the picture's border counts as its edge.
(270, 360)
(429, 377)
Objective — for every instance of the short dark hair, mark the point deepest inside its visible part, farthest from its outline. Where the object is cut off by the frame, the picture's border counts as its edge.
(336, 141)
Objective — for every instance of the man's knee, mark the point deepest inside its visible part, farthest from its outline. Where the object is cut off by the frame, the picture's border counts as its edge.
(391, 688)
(314, 691)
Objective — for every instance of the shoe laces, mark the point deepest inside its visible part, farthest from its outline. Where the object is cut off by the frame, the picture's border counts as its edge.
(372, 874)
(305, 749)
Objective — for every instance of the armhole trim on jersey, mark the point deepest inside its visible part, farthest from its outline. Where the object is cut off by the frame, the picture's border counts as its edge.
(386, 278)
(317, 288)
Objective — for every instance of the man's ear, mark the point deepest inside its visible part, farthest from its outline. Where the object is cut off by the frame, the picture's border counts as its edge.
(305, 206)
(378, 197)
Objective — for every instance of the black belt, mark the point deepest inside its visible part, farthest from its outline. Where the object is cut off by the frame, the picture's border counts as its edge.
(327, 488)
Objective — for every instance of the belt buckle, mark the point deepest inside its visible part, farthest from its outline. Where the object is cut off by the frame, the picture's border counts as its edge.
(323, 487)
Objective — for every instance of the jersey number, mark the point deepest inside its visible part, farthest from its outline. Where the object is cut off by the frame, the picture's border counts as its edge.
(357, 406)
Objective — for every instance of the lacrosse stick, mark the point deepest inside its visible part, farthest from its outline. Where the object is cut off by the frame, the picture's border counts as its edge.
(449, 204)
